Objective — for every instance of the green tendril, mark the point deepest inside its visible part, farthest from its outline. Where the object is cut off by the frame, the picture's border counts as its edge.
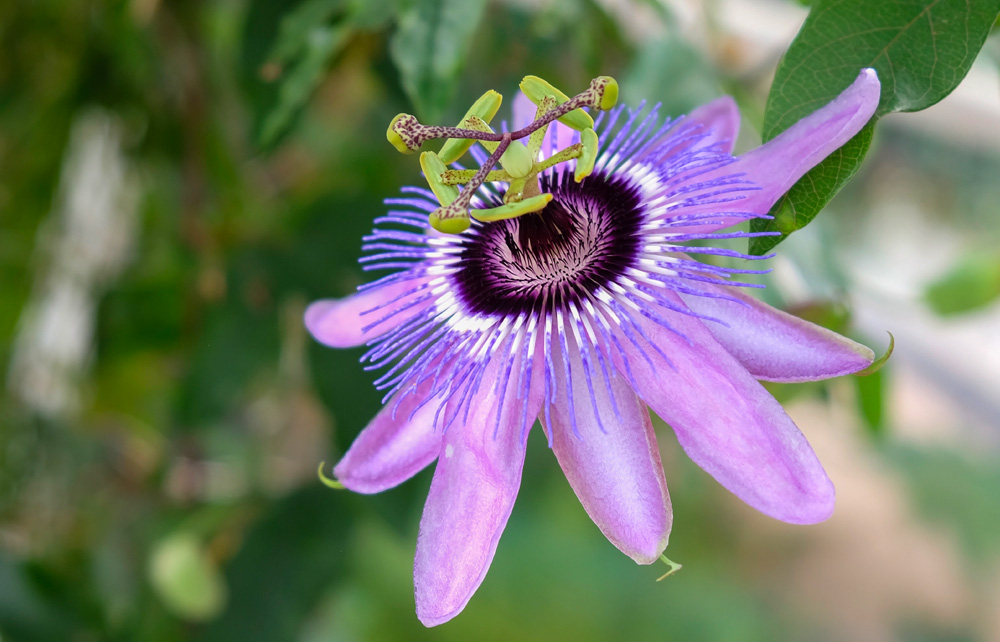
(881, 361)
(328, 481)
(674, 567)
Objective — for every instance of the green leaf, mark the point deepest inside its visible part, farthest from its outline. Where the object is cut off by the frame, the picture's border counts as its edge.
(429, 49)
(971, 283)
(921, 49)
(285, 65)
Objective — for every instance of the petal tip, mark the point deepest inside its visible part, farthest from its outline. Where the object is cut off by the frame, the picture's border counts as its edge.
(429, 619)
(815, 507)
(649, 555)
(314, 316)
(314, 311)
(866, 89)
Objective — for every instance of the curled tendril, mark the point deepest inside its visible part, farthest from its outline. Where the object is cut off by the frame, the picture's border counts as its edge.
(328, 481)
(881, 361)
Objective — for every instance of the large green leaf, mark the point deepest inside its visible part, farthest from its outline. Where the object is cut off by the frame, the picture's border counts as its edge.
(430, 47)
(921, 49)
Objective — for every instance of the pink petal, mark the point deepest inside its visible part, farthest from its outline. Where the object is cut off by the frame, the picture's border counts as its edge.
(557, 137)
(476, 481)
(617, 474)
(524, 111)
(394, 446)
(725, 421)
(775, 345)
(778, 164)
(344, 323)
(718, 121)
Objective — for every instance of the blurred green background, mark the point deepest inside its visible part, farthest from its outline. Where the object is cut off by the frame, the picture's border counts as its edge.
(179, 178)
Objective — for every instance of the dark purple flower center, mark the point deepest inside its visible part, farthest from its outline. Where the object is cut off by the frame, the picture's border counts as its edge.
(583, 239)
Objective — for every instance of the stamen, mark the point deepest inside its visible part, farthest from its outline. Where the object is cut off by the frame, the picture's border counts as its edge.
(520, 163)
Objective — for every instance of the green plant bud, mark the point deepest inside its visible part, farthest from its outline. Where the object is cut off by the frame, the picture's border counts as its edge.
(517, 160)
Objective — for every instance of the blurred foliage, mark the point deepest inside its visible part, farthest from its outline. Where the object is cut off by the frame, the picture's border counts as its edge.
(429, 48)
(956, 490)
(179, 501)
(972, 283)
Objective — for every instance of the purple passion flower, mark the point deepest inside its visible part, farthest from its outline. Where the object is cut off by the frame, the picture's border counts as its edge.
(581, 315)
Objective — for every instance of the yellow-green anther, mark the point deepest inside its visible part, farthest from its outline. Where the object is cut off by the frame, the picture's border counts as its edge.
(573, 151)
(433, 168)
(463, 176)
(478, 124)
(517, 160)
(545, 105)
(605, 89)
(513, 210)
(585, 164)
(536, 89)
(401, 133)
(485, 109)
(450, 219)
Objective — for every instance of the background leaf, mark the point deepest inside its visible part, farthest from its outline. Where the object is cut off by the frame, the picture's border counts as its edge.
(297, 551)
(921, 49)
(956, 491)
(321, 44)
(973, 282)
(429, 49)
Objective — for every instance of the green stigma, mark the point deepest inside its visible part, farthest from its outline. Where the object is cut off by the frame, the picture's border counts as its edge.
(510, 160)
